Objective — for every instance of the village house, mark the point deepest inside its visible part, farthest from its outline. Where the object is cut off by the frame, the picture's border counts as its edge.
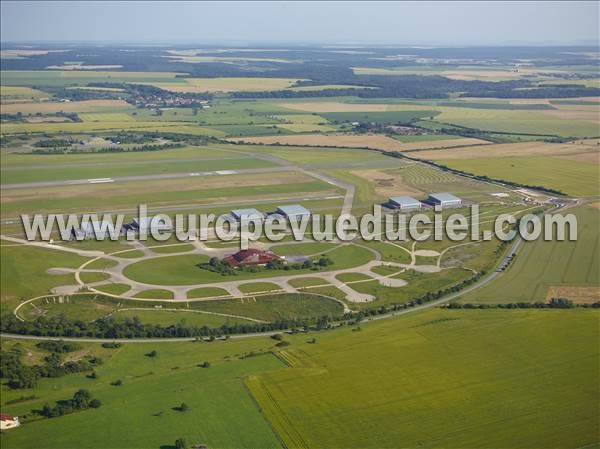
(9, 422)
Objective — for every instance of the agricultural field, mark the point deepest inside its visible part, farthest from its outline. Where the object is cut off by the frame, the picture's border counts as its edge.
(72, 106)
(462, 385)
(433, 343)
(568, 176)
(542, 266)
(379, 142)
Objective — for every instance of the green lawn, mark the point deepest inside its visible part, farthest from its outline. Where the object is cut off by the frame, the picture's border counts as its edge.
(274, 307)
(204, 292)
(88, 278)
(451, 378)
(183, 270)
(418, 285)
(170, 318)
(24, 272)
(221, 413)
(154, 294)
(257, 287)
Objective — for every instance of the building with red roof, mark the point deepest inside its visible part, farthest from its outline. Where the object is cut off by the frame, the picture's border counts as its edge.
(8, 422)
(251, 256)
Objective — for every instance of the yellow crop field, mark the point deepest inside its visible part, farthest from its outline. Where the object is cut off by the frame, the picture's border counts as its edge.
(109, 74)
(103, 89)
(306, 127)
(169, 127)
(49, 107)
(20, 93)
(84, 67)
(570, 150)
(106, 117)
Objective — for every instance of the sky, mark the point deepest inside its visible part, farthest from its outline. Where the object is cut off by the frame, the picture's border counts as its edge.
(271, 22)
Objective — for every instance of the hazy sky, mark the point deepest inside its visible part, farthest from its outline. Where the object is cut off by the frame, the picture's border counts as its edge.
(449, 23)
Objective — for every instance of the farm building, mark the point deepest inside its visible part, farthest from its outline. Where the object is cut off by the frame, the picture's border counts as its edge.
(242, 215)
(444, 200)
(293, 210)
(147, 224)
(405, 203)
(9, 422)
(251, 256)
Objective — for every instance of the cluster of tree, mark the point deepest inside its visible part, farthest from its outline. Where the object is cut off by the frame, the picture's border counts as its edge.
(20, 375)
(547, 91)
(130, 138)
(554, 303)
(59, 346)
(53, 143)
(112, 328)
(423, 87)
(81, 400)
(216, 265)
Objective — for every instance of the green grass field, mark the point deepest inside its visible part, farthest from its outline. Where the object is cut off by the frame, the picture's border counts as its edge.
(183, 270)
(117, 169)
(24, 272)
(432, 380)
(571, 177)
(388, 117)
(449, 390)
(144, 404)
(517, 121)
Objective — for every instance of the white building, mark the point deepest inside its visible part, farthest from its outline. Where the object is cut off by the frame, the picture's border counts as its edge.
(93, 230)
(9, 422)
(293, 210)
(405, 203)
(444, 200)
(246, 215)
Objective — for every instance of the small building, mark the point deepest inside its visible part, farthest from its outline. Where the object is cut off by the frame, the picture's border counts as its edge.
(251, 256)
(404, 203)
(293, 210)
(244, 215)
(92, 230)
(444, 200)
(9, 422)
(147, 225)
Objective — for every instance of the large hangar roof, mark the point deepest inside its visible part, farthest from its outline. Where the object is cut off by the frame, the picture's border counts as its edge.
(444, 197)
